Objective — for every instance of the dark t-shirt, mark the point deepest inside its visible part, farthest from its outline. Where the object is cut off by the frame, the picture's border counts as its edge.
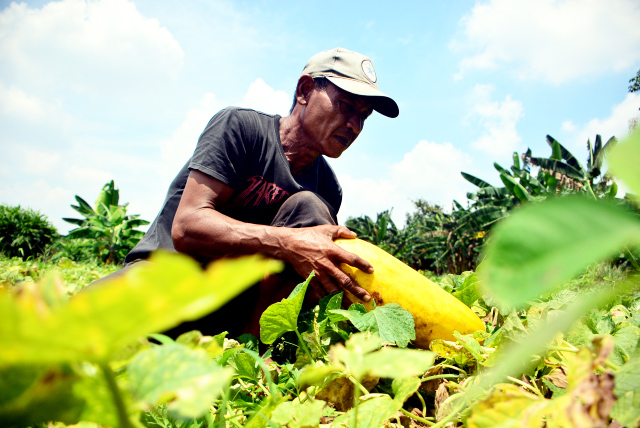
(241, 148)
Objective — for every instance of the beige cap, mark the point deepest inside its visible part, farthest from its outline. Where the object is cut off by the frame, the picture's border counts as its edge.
(352, 72)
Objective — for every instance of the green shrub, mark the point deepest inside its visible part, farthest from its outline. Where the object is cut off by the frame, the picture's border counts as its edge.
(24, 232)
(76, 249)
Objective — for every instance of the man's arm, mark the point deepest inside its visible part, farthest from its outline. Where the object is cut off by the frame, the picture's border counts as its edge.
(199, 229)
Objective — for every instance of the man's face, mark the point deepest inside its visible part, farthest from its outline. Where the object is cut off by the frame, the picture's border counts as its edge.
(333, 119)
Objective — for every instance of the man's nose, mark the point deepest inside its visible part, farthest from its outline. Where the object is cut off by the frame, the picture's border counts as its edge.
(355, 123)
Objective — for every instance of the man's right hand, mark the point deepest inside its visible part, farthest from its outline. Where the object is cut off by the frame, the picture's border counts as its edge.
(312, 249)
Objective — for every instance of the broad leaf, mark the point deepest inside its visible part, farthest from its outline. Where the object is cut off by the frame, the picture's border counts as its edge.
(564, 153)
(561, 167)
(282, 317)
(294, 414)
(627, 389)
(469, 291)
(387, 362)
(186, 379)
(624, 161)
(543, 245)
(394, 324)
(30, 395)
(102, 319)
(404, 387)
(475, 180)
(372, 413)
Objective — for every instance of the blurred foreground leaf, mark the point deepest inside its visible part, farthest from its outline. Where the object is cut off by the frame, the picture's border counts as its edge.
(624, 161)
(188, 380)
(102, 319)
(543, 245)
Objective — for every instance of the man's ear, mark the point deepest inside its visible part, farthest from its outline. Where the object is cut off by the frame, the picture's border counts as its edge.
(304, 89)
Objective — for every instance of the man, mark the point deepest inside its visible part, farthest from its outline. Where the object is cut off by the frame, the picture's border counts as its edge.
(259, 183)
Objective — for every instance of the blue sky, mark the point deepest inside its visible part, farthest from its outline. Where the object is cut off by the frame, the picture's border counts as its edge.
(113, 89)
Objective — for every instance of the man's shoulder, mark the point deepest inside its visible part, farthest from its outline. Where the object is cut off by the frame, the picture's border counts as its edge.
(246, 113)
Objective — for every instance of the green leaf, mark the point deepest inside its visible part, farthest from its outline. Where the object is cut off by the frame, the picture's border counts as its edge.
(187, 379)
(294, 414)
(627, 389)
(262, 415)
(543, 245)
(100, 320)
(360, 357)
(328, 303)
(394, 362)
(394, 324)
(37, 394)
(282, 316)
(371, 413)
(504, 409)
(475, 180)
(628, 377)
(624, 160)
(626, 409)
(469, 291)
(404, 387)
(244, 365)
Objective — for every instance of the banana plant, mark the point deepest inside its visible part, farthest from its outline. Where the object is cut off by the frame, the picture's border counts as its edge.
(112, 232)
(383, 232)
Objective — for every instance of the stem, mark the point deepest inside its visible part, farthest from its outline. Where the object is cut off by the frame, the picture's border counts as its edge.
(356, 398)
(611, 365)
(304, 346)
(573, 348)
(424, 405)
(447, 366)
(121, 409)
(358, 384)
(441, 376)
(525, 385)
(415, 417)
(562, 349)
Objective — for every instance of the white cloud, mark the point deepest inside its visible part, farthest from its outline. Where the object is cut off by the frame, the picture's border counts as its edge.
(264, 98)
(498, 120)
(568, 126)
(15, 104)
(89, 177)
(551, 40)
(176, 150)
(96, 48)
(615, 125)
(40, 162)
(430, 171)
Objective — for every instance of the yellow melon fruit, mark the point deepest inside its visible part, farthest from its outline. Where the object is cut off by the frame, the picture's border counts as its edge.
(437, 313)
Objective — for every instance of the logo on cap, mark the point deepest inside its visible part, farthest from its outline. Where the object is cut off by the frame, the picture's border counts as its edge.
(367, 67)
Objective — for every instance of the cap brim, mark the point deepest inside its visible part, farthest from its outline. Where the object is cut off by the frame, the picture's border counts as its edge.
(380, 102)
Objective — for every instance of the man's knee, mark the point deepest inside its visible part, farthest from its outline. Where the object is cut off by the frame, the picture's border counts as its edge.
(305, 209)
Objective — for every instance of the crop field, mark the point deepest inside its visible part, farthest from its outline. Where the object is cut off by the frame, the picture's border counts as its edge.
(553, 341)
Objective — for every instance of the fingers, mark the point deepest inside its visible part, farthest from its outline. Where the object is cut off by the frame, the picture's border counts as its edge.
(353, 287)
(355, 260)
(344, 232)
(346, 283)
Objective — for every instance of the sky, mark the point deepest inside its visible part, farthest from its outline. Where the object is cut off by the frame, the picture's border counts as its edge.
(100, 90)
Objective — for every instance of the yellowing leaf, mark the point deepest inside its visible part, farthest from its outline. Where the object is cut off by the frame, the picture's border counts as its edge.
(148, 299)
